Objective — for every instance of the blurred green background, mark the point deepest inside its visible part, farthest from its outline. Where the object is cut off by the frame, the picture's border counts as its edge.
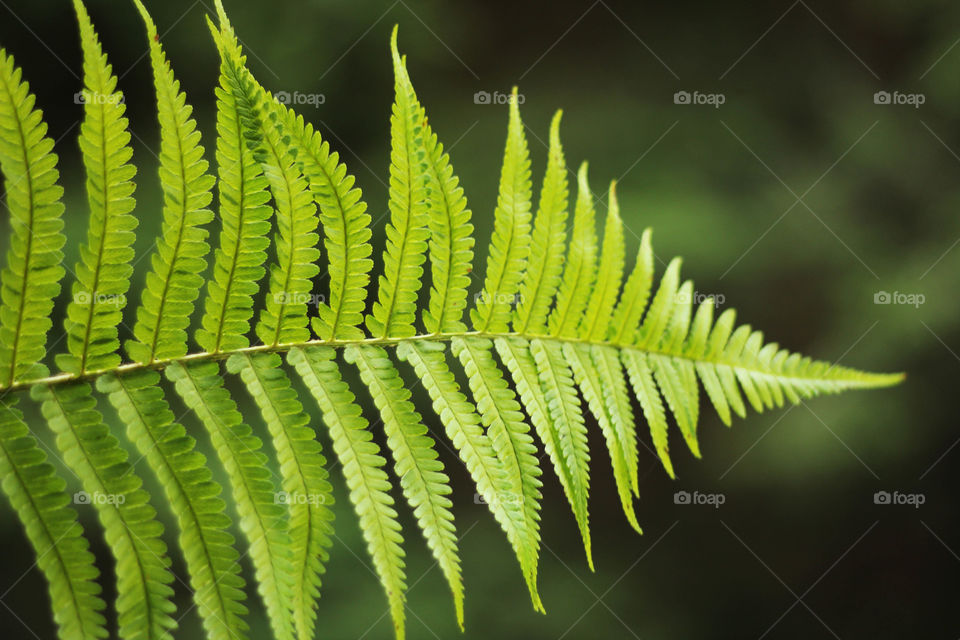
(798, 200)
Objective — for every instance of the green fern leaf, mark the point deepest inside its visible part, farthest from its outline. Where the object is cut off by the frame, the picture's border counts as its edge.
(363, 469)
(635, 295)
(603, 298)
(407, 232)
(555, 313)
(191, 494)
(645, 389)
(245, 215)
(144, 605)
(580, 268)
(510, 436)
(587, 377)
(305, 479)
(103, 272)
(617, 402)
(559, 436)
(510, 245)
(346, 228)
(563, 405)
(451, 239)
(179, 260)
(677, 376)
(36, 493)
(284, 315)
(421, 474)
(464, 430)
(545, 266)
(31, 279)
(657, 316)
(262, 519)
(695, 348)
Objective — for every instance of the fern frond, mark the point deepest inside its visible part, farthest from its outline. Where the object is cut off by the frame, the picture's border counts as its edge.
(346, 229)
(677, 376)
(193, 496)
(510, 436)
(510, 245)
(559, 436)
(545, 266)
(144, 604)
(104, 269)
(424, 483)
(617, 403)
(603, 298)
(564, 411)
(451, 239)
(635, 295)
(580, 267)
(36, 493)
(697, 344)
(305, 478)
(262, 517)
(554, 314)
(587, 377)
(726, 378)
(179, 260)
(596, 326)
(645, 389)
(31, 279)
(394, 311)
(464, 430)
(657, 315)
(363, 470)
(245, 215)
(284, 315)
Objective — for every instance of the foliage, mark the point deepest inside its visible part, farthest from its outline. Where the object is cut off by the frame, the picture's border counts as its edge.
(554, 317)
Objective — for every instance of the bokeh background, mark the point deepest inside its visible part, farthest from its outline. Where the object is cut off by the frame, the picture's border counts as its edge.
(798, 200)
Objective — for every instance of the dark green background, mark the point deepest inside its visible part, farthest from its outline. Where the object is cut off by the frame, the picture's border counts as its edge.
(878, 191)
